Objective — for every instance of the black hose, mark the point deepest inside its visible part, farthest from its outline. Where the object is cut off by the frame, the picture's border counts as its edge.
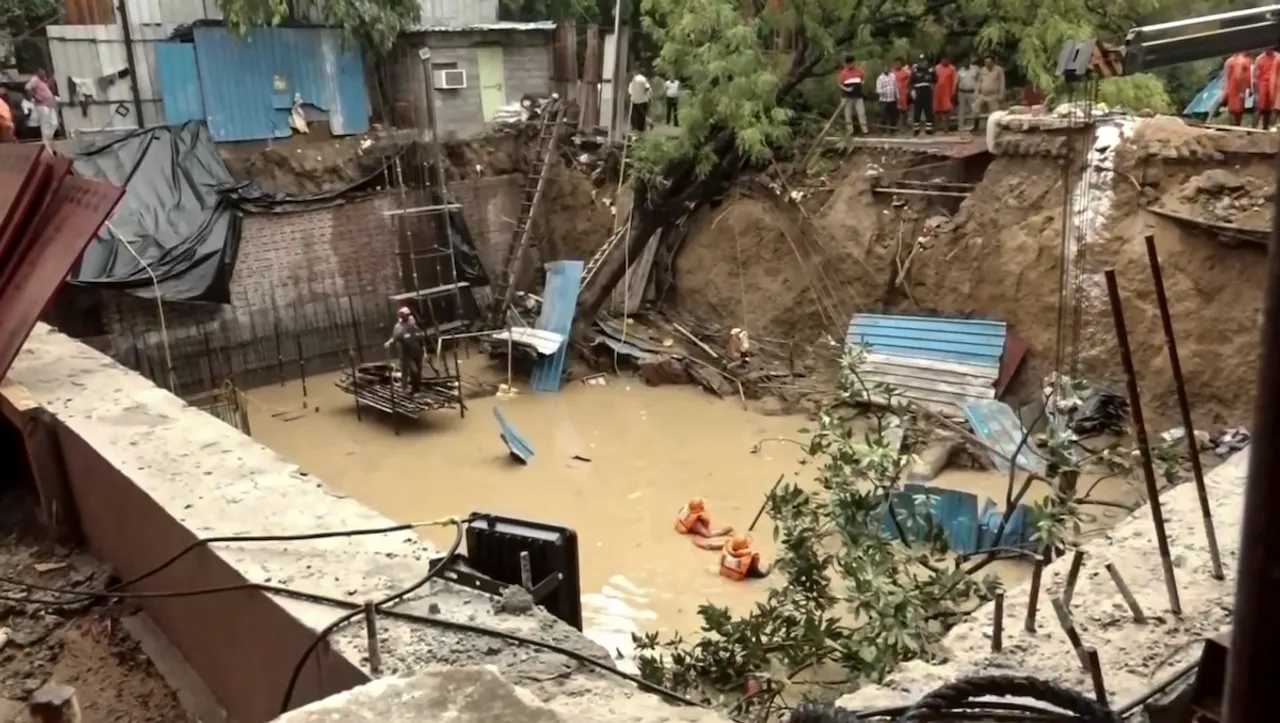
(959, 693)
(343, 619)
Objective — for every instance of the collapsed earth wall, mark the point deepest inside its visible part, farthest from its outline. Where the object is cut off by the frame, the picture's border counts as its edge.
(797, 271)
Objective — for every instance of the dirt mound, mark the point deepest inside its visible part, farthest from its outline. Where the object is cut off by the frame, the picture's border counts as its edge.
(576, 217)
(765, 264)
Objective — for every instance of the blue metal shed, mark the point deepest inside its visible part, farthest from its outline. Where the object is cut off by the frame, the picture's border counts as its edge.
(247, 82)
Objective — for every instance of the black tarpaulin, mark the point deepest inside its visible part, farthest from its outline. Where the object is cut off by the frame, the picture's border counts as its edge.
(177, 229)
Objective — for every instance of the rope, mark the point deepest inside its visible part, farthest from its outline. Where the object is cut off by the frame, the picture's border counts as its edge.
(155, 286)
(955, 695)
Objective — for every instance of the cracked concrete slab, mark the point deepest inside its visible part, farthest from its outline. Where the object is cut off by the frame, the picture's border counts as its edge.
(479, 694)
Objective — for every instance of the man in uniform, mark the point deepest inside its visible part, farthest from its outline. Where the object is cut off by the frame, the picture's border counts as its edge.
(407, 336)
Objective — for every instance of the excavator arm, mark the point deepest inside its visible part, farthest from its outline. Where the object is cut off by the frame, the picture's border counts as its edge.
(1181, 41)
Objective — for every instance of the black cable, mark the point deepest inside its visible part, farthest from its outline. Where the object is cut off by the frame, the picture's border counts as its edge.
(323, 635)
(202, 542)
(957, 694)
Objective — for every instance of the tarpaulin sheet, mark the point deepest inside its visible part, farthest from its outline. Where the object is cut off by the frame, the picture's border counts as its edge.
(177, 229)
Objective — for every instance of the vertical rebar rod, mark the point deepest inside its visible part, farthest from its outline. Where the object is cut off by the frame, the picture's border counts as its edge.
(1094, 664)
(1069, 627)
(1144, 445)
(1036, 574)
(997, 623)
(526, 571)
(1129, 599)
(355, 384)
(1252, 664)
(302, 368)
(275, 323)
(1073, 575)
(208, 356)
(371, 633)
(1184, 407)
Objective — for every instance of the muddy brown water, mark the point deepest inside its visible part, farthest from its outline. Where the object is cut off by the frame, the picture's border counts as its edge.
(650, 449)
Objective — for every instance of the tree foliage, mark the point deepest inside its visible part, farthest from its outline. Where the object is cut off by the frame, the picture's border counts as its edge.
(377, 23)
(20, 16)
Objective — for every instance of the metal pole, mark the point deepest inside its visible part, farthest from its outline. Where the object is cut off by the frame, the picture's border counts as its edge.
(1095, 674)
(1033, 602)
(1193, 448)
(526, 571)
(371, 631)
(127, 30)
(1252, 665)
(1144, 446)
(997, 623)
(1129, 599)
(1073, 575)
(619, 70)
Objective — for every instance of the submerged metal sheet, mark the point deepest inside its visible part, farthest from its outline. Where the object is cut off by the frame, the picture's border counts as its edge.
(941, 363)
(997, 424)
(559, 302)
(517, 445)
(544, 342)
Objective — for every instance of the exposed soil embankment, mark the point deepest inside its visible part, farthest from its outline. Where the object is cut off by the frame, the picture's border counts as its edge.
(798, 270)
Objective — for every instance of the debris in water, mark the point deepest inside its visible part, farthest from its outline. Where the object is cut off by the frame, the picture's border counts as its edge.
(1231, 440)
(520, 449)
(596, 380)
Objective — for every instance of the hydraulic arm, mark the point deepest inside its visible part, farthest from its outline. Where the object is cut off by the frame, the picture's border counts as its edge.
(1180, 41)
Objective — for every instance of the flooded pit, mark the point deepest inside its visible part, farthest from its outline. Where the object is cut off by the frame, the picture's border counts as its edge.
(650, 449)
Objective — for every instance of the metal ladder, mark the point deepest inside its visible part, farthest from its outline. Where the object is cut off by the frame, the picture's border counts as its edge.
(548, 136)
(602, 253)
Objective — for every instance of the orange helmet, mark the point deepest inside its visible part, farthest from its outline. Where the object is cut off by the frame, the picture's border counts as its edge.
(739, 542)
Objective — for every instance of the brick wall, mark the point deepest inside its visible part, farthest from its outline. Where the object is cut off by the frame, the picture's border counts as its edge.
(307, 286)
(526, 66)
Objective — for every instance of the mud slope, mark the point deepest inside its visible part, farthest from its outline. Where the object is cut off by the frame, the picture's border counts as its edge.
(761, 263)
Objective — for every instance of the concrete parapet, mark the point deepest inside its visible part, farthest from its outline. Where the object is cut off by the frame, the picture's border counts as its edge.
(149, 475)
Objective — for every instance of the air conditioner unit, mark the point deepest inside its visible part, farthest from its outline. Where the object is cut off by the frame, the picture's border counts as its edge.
(452, 79)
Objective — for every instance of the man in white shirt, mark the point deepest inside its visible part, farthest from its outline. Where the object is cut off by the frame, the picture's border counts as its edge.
(673, 102)
(887, 95)
(639, 90)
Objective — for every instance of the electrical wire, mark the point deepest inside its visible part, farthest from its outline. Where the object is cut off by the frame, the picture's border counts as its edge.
(329, 629)
(352, 607)
(116, 590)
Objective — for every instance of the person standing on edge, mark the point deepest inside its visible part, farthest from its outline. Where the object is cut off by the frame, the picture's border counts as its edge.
(639, 90)
(923, 80)
(673, 102)
(1238, 74)
(990, 90)
(887, 95)
(967, 96)
(850, 79)
(45, 111)
(945, 72)
(902, 73)
(1264, 69)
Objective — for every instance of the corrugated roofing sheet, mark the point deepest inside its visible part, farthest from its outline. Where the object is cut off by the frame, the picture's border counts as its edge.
(942, 363)
(1207, 98)
(559, 302)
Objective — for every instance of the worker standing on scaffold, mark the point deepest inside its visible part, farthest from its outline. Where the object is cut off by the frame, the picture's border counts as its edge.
(409, 339)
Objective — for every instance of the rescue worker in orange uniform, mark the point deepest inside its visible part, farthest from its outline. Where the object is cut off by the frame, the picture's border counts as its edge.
(902, 74)
(1238, 76)
(693, 520)
(739, 562)
(1264, 92)
(943, 92)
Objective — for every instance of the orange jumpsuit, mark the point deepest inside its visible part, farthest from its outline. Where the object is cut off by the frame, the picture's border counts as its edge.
(903, 77)
(945, 87)
(1264, 83)
(1239, 72)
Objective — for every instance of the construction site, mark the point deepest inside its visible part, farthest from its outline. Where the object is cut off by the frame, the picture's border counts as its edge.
(576, 387)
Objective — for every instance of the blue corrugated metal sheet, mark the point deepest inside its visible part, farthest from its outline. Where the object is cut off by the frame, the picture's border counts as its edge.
(942, 363)
(1206, 100)
(249, 81)
(995, 423)
(956, 513)
(179, 83)
(517, 445)
(559, 300)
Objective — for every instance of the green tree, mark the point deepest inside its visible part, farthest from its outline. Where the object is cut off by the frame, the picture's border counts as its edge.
(376, 23)
(21, 16)
(741, 83)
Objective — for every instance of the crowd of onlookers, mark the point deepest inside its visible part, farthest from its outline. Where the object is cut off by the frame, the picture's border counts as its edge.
(923, 97)
(37, 109)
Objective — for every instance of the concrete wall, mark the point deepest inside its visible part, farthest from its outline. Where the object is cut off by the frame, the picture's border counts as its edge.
(526, 69)
(149, 475)
(308, 271)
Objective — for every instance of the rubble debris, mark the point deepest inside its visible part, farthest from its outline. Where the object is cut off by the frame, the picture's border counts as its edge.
(1230, 440)
(515, 600)
(517, 445)
(1086, 409)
